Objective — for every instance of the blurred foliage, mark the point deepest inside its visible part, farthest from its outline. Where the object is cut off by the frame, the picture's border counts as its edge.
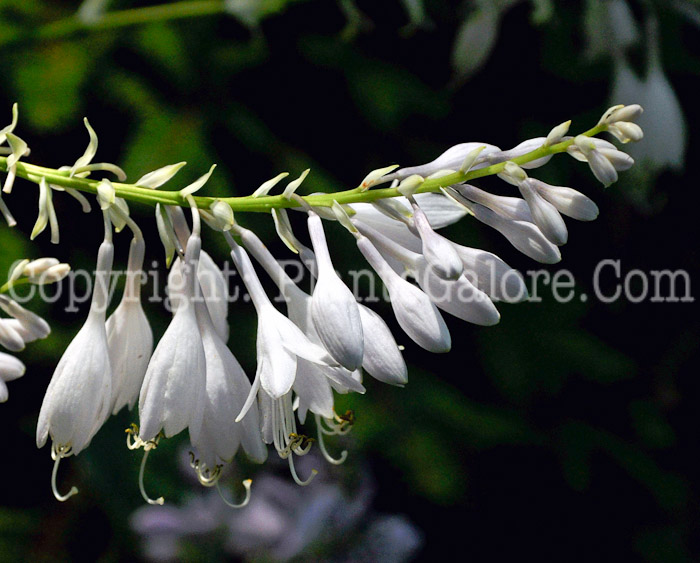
(568, 432)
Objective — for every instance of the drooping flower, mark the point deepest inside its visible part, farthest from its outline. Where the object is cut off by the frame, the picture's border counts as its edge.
(172, 396)
(279, 342)
(129, 335)
(227, 388)
(414, 311)
(458, 297)
(78, 398)
(212, 283)
(333, 306)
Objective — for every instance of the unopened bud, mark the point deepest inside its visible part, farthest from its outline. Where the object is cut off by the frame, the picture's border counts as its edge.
(223, 214)
(50, 275)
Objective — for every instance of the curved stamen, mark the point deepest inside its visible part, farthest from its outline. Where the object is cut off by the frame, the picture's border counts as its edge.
(149, 500)
(293, 471)
(54, 473)
(247, 483)
(206, 476)
(322, 446)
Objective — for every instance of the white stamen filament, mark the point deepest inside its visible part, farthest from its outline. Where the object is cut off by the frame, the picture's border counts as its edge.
(293, 471)
(322, 446)
(54, 473)
(158, 501)
(247, 483)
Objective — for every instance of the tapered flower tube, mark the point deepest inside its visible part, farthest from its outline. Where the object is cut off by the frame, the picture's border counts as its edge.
(10, 337)
(439, 252)
(544, 214)
(172, 396)
(129, 333)
(279, 341)
(29, 326)
(313, 382)
(10, 369)
(227, 388)
(568, 201)
(524, 236)
(415, 313)
(451, 159)
(212, 283)
(79, 395)
(604, 159)
(514, 208)
(333, 306)
(458, 297)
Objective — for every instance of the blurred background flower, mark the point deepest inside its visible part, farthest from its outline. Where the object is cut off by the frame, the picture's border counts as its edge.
(566, 432)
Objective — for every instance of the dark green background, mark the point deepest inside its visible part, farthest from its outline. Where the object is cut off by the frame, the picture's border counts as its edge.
(567, 432)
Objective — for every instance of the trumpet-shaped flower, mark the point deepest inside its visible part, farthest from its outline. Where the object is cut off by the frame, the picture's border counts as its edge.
(79, 395)
(172, 396)
(333, 306)
(415, 313)
(458, 297)
(227, 388)
(279, 341)
(129, 335)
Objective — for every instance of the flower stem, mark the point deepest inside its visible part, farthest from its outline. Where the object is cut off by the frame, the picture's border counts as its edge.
(265, 204)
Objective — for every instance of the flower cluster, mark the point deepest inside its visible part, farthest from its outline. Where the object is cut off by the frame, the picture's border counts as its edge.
(21, 326)
(327, 340)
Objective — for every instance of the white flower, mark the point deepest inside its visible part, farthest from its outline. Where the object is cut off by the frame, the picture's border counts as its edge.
(333, 306)
(451, 159)
(129, 335)
(9, 337)
(78, 398)
(414, 311)
(544, 214)
(10, 369)
(509, 207)
(524, 148)
(524, 236)
(382, 358)
(312, 383)
(567, 200)
(438, 251)
(458, 297)
(27, 325)
(212, 283)
(172, 396)
(227, 388)
(279, 341)
(604, 159)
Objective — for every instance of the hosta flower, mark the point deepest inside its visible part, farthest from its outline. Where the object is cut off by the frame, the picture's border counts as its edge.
(439, 252)
(544, 214)
(333, 306)
(27, 325)
(129, 335)
(172, 396)
(458, 297)
(9, 337)
(604, 159)
(415, 313)
(10, 369)
(312, 383)
(523, 235)
(226, 390)
(279, 342)
(212, 284)
(78, 398)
